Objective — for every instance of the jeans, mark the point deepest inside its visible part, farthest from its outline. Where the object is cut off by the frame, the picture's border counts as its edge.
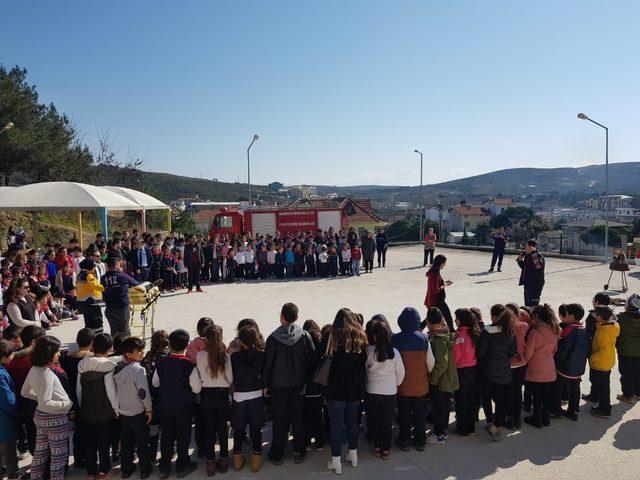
(498, 394)
(249, 412)
(175, 424)
(411, 415)
(287, 408)
(134, 433)
(380, 419)
(498, 254)
(464, 396)
(428, 254)
(542, 400)
(355, 267)
(9, 456)
(629, 368)
(382, 255)
(368, 263)
(532, 296)
(600, 385)
(98, 444)
(215, 410)
(314, 420)
(514, 398)
(343, 415)
(118, 317)
(573, 385)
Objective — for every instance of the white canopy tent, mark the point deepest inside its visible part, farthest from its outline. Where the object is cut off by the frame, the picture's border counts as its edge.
(145, 201)
(78, 197)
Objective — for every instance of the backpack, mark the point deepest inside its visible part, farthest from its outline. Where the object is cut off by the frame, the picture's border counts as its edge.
(96, 407)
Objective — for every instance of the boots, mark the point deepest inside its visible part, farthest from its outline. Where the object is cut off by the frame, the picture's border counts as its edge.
(211, 468)
(238, 461)
(335, 465)
(256, 462)
(352, 456)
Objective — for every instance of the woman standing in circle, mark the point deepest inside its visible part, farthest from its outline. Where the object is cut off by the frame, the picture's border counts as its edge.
(436, 295)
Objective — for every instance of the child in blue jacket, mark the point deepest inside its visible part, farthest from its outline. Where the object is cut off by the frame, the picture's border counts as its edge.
(9, 414)
(571, 359)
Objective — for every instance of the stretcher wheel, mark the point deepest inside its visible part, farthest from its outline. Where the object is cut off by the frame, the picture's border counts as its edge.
(606, 286)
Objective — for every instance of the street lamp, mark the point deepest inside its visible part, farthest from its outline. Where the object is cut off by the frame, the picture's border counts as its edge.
(8, 126)
(421, 222)
(255, 137)
(582, 116)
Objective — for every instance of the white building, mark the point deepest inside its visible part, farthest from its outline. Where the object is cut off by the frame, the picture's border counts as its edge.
(614, 201)
(495, 206)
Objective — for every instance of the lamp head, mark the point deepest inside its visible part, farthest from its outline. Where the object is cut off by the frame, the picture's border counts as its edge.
(582, 116)
(416, 151)
(9, 126)
(255, 137)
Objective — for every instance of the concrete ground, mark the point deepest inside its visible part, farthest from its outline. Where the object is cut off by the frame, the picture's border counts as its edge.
(592, 448)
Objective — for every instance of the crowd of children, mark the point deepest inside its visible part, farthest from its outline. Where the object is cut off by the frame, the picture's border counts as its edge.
(316, 383)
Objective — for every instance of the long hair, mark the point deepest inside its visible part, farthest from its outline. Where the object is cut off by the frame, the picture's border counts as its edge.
(313, 329)
(347, 333)
(507, 321)
(250, 322)
(545, 314)
(437, 262)
(44, 350)
(216, 351)
(249, 338)
(12, 290)
(468, 319)
(159, 341)
(382, 341)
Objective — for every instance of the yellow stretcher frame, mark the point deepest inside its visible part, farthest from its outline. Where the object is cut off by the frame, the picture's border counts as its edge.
(144, 304)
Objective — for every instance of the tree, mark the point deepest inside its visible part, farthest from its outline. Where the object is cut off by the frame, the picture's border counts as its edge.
(595, 235)
(185, 224)
(482, 231)
(513, 214)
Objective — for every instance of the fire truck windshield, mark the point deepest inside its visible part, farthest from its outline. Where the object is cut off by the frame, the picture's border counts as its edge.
(223, 222)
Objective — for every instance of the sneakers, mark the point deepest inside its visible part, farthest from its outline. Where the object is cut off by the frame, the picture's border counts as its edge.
(189, 469)
(496, 436)
(403, 446)
(570, 415)
(436, 440)
(238, 461)
(533, 421)
(335, 465)
(352, 456)
(377, 452)
(298, 457)
(629, 400)
(589, 398)
(256, 462)
(598, 412)
(106, 475)
(199, 290)
(386, 454)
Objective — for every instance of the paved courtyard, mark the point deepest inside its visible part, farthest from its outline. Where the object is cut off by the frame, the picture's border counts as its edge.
(592, 448)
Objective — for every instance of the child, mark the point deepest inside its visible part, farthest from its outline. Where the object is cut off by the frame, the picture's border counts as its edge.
(542, 344)
(444, 376)
(298, 258)
(159, 350)
(248, 407)
(69, 362)
(418, 361)
(280, 262)
(496, 346)
(177, 381)
(51, 415)
(464, 354)
(599, 300)
(89, 295)
(602, 360)
(9, 414)
(571, 359)
(230, 262)
(289, 260)
(518, 368)
(199, 343)
(134, 407)
(345, 260)
(628, 344)
(310, 262)
(271, 259)
(214, 369)
(356, 257)
(313, 399)
(332, 262)
(181, 269)
(240, 262)
(249, 259)
(323, 259)
(98, 403)
(66, 283)
(12, 335)
(167, 269)
(385, 372)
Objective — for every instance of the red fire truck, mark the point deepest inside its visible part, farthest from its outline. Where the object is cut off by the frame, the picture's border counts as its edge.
(268, 221)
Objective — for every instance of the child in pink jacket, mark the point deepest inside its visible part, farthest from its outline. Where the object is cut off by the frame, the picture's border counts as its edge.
(464, 354)
(542, 343)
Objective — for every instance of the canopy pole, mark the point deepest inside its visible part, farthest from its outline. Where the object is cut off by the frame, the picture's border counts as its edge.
(34, 228)
(105, 225)
(79, 217)
(143, 221)
(169, 220)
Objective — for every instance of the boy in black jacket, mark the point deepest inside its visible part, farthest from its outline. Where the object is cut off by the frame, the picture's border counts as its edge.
(571, 359)
(177, 381)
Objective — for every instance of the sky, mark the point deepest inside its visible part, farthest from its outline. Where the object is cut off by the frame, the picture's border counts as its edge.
(340, 92)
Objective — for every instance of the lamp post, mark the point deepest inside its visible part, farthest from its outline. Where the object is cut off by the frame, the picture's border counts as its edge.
(420, 205)
(582, 116)
(8, 126)
(255, 137)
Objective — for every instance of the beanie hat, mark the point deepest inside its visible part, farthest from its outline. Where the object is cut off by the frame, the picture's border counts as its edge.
(633, 303)
(87, 264)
